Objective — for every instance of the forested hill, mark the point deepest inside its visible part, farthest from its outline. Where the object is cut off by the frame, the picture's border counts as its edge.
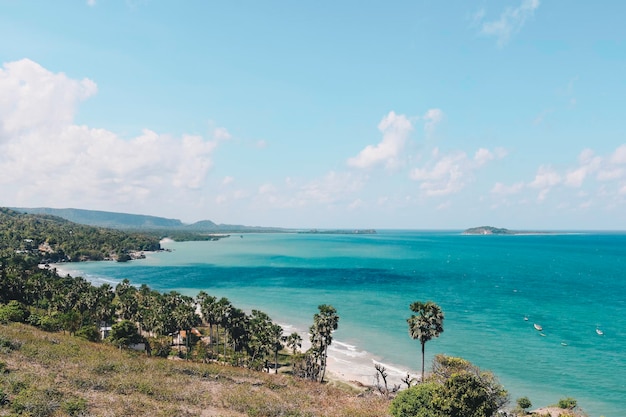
(125, 221)
(55, 239)
(106, 219)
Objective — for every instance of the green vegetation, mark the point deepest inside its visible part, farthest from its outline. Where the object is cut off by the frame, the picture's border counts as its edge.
(455, 389)
(426, 325)
(524, 403)
(52, 374)
(54, 362)
(52, 239)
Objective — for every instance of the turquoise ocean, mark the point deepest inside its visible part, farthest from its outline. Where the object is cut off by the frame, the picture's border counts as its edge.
(492, 290)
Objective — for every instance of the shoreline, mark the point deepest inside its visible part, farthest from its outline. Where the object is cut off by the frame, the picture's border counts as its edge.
(346, 363)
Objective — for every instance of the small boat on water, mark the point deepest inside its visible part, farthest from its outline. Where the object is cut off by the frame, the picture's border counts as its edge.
(537, 327)
(525, 318)
(600, 332)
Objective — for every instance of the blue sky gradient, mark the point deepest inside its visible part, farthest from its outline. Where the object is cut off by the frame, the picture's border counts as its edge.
(406, 114)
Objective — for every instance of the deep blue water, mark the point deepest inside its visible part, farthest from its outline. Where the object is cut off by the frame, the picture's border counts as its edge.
(570, 284)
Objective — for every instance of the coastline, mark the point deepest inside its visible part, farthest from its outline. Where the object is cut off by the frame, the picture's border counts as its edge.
(548, 353)
(346, 363)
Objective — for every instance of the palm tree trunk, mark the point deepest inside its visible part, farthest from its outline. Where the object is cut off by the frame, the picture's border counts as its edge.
(423, 345)
(324, 358)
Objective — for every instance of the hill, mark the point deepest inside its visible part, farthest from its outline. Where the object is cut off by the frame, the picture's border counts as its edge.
(55, 239)
(48, 374)
(125, 221)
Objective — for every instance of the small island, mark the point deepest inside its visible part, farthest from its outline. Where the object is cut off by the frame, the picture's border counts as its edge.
(489, 230)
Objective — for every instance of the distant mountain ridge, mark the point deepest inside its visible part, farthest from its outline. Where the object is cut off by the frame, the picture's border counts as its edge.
(126, 221)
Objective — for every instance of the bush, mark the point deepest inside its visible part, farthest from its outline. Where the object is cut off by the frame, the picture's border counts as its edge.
(417, 401)
(524, 403)
(14, 311)
(159, 347)
(50, 324)
(90, 333)
(567, 403)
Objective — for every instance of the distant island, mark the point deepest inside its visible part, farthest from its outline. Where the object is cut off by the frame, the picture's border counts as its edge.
(490, 230)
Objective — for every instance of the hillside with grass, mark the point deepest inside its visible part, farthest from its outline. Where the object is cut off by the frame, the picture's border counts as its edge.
(53, 374)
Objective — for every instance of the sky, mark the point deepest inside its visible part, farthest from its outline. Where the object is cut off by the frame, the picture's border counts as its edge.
(353, 114)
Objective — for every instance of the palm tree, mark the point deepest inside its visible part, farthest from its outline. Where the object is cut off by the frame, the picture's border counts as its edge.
(294, 341)
(324, 323)
(208, 308)
(426, 324)
(276, 341)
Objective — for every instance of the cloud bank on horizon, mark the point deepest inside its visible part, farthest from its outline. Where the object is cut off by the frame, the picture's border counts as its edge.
(449, 159)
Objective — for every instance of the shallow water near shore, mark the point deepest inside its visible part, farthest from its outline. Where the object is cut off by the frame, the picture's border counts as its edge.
(487, 286)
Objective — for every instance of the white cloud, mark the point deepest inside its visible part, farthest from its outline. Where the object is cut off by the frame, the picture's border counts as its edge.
(502, 189)
(619, 156)
(511, 21)
(33, 97)
(432, 118)
(91, 3)
(47, 159)
(220, 133)
(228, 180)
(445, 174)
(395, 129)
(546, 177)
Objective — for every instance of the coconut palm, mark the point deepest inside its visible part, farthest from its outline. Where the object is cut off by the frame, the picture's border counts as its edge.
(426, 324)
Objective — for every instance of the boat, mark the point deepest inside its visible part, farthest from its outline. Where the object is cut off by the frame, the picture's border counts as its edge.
(600, 332)
(537, 327)
(525, 318)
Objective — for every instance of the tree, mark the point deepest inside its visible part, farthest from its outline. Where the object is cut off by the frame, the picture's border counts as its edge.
(276, 342)
(209, 309)
(294, 341)
(324, 323)
(222, 313)
(426, 324)
(124, 333)
(524, 403)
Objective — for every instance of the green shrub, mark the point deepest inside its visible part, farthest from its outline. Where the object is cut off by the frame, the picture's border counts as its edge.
(417, 401)
(159, 347)
(567, 403)
(524, 403)
(14, 311)
(45, 322)
(89, 332)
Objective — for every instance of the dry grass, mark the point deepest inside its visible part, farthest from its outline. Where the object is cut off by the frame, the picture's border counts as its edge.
(51, 374)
